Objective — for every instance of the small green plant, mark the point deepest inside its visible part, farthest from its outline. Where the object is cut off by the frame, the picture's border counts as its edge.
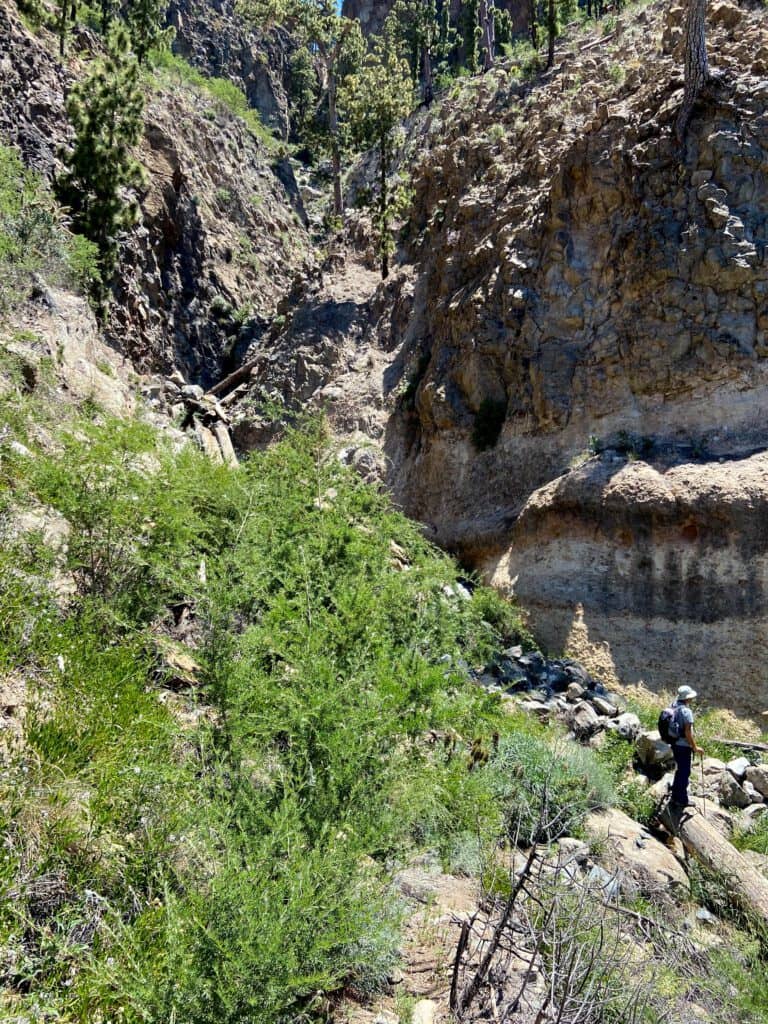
(223, 197)
(528, 770)
(496, 133)
(617, 73)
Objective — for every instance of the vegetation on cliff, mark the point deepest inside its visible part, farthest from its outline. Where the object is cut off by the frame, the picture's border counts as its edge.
(202, 827)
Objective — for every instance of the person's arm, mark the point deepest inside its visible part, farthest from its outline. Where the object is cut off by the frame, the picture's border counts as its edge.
(688, 733)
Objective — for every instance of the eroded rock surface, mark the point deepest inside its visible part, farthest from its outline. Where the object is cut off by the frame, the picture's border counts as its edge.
(571, 283)
(221, 236)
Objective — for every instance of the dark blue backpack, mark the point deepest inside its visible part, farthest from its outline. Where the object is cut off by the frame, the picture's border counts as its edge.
(670, 726)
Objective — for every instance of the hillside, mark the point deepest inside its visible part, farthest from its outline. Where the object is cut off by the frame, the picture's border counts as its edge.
(381, 444)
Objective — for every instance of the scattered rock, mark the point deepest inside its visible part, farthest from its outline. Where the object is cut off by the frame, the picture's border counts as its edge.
(738, 767)
(584, 720)
(754, 812)
(572, 850)
(603, 706)
(757, 775)
(749, 789)
(627, 725)
(731, 793)
(575, 692)
(706, 917)
(424, 1012)
(652, 751)
(660, 790)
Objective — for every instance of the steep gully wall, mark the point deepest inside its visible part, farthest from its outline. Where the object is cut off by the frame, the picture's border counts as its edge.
(587, 277)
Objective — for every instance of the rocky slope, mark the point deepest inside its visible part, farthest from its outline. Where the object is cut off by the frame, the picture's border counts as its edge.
(213, 39)
(569, 282)
(221, 235)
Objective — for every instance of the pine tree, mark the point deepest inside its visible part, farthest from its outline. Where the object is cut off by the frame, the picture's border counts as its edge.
(425, 38)
(487, 33)
(376, 100)
(557, 12)
(108, 9)
(471, 33)
(502, 25)
(66, 16)
(106, 112)
(339, 45)
(146, 26)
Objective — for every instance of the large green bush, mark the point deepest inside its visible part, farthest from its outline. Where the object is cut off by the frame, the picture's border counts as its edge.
(222, 854)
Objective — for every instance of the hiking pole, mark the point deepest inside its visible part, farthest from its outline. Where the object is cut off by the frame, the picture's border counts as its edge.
(703, 790)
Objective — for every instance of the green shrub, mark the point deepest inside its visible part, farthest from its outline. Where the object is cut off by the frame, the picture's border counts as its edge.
(218, 854)
(225, 93)
(547, 788)
(33, 238)
(615, 756)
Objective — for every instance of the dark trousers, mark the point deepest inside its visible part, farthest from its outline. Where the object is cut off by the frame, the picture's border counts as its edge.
(683, 757)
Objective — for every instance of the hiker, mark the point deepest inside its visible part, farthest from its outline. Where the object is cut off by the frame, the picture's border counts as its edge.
(684, 747)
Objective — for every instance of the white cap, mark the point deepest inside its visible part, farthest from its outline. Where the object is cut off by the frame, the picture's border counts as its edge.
(686, 693)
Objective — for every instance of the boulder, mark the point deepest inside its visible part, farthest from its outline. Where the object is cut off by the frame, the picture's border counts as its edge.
(603, 706)
(754, 812)
(731, 793)
(660, 790)
(535, 707)
(584, 720)
(757, 775)
(738, 767)
(713, 768)
(571, 850)
(574, 692)
(424, 1012)
(642, 865)
(749, 789)
(652, 751)
(626, 725)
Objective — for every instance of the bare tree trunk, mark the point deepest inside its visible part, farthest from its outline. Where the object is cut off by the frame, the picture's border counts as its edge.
(428, 82)
(488, 29)
(696, 63)
(533, 16)
(333, 124)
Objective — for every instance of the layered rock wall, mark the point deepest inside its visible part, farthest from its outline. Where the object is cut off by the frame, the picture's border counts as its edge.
(571, 281)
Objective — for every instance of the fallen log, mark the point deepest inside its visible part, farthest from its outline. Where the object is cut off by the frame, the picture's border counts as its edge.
(240, 374)
(741, 744)
(746, 885)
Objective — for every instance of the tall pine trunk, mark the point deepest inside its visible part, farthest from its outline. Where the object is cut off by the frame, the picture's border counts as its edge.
(487, 26)
(427, 77)
(696, 63)
(551, 31)
(333, 124)
(384, 209)
(533, 14)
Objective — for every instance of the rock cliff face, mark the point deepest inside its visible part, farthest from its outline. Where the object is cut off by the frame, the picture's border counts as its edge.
(221, 236)
(571, 281)
(213, 38)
